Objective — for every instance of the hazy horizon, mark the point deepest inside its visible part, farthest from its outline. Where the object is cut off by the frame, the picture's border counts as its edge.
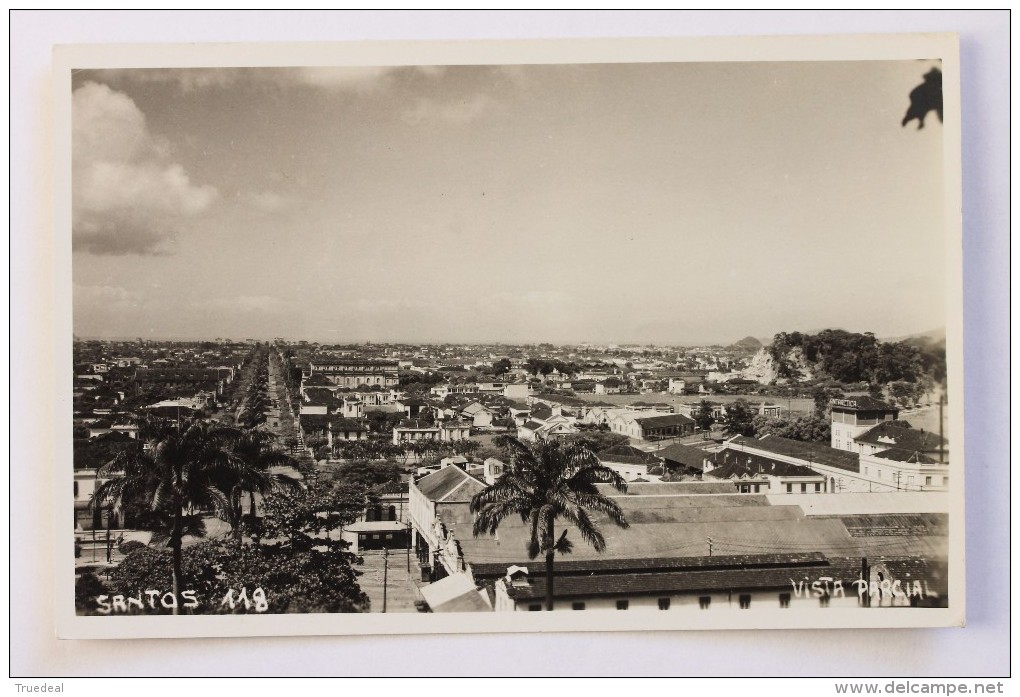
(666, 203)
(765, 340)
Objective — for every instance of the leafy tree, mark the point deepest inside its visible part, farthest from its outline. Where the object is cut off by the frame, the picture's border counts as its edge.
(542, 484)
(87, 587)
(810, 428)
(177, 471)
(703, 417)
(739, 419)
(312, 579)
(93, 454)
(502, 366)
(598, 441)
(822, 396)
(368, 475)
(465, 447)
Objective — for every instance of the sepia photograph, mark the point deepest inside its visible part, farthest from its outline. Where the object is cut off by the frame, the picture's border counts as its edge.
(650, 334)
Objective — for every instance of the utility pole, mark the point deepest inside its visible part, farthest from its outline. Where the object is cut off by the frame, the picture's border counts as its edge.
(109, 539)
(709, 546)
(866, 578)
(385, 578)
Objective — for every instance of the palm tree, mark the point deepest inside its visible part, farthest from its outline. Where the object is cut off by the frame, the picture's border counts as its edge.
(176, 470)
(256, 450)
(543, 483)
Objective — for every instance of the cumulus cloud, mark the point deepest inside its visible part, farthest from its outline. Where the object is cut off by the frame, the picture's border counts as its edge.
(128, 196)
(460, 111)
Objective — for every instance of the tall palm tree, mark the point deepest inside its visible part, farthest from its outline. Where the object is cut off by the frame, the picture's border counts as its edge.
(545, 482)
(256, 449)
(175, 471)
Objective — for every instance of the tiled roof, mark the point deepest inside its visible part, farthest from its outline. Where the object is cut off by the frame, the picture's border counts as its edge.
(808, 453)
(684, 455)
(909, 456)
(664, 421)
(316, 380)
(416, 424)
(627, 454)
(775, 469)
(316, 422)
(532, 425)
(893, 435)
(342, 424)
(541, 411)
(861, 403)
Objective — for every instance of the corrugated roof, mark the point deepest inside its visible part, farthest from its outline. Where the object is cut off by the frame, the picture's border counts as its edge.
(670, 489)
(684, 532)
(450, 484)
(566, 566)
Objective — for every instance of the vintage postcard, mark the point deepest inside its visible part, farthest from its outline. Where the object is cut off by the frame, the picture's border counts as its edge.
(391, 338)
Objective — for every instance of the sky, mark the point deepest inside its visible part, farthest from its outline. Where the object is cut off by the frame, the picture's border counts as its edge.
(669, 203)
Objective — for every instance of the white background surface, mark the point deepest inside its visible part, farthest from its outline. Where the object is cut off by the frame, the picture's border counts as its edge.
(981, 649)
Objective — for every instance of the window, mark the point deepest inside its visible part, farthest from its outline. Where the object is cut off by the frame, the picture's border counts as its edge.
(823, 601)
(704, 602)
(535, 607)
(818, 487)
(76, 488)
(663, 603)
(622, 604)
(803, 488)
(789, 488)
(389, 536)
(577, 606)
(927, 482)
(784, 600)
(745, 601)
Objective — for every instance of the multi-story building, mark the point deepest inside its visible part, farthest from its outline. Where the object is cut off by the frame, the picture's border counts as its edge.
(356, 372)
(854, 416)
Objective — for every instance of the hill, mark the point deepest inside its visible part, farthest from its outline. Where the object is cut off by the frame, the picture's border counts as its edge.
(748, 343)
(848, 357)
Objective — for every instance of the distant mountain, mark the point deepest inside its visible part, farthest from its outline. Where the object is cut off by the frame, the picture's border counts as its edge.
(934, 335)
(748, 343)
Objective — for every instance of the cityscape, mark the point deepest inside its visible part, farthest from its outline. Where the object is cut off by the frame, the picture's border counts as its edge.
(511, 338)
